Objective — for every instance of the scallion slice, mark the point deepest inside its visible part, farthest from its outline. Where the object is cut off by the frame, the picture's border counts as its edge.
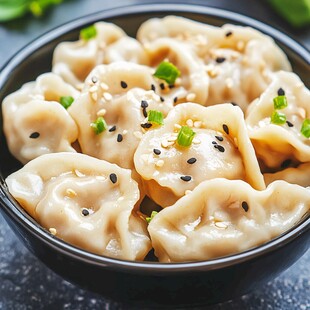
(99, 125)
(278, 118)
(66, 101)
(149, 218)
(88, 33)
(185, 136)
(155, 117)
(168, 72)
(305, 128)
(280, 102)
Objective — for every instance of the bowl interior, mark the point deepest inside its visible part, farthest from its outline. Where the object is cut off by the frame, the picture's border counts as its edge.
(36, 59)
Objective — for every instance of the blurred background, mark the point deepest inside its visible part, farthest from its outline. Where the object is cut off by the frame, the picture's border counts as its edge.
(25, 283)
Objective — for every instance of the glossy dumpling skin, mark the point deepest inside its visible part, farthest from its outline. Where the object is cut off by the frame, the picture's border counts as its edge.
(295, 175)
(222, 217)
(238, 60)
(35, 109)
(73, 61)
(120, 107)
(57, 197)
(277, 145)
(217, 153)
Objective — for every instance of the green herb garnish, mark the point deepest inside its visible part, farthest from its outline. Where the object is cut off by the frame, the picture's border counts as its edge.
(278, 118)
(279, 102)
(155, 117)
(66, 101)
(305, 128)
(168, 72)
(185, 136)
(99, 125)
(149, 218)
(88, 33)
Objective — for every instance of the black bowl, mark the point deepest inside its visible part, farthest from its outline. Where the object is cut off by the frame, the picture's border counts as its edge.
(146, 283)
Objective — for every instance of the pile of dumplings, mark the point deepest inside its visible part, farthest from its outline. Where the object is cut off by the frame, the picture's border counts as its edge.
(103, 176)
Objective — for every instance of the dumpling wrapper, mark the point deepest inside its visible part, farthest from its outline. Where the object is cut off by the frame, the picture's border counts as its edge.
(275, 145)
(73, 61)
(232, 158)
(239, 60)
(222, 217)
(35, 109)
(56, 197)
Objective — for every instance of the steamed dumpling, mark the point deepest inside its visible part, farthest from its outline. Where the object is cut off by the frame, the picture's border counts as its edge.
(73, 61)
(222, 217)
(279, 146)
(34, 121)
(221, 148)
(86, 201)
(238, 60)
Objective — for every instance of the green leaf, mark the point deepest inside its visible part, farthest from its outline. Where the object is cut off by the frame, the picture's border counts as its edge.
(155, 117)
(9, 11)
(305, 128)
(66, 101)
(278, 118)
(88, 33)
(185, 136)
(168, 72)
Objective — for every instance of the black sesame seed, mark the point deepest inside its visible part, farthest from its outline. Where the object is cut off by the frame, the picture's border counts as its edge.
(281, 92)
(113, 128)
(124, 84)
(214, 142)
(162, 86)
(220, 138)
(119, 138)
(113, 178)
(94, 79)
(162, 99)
(234, 104)
(175, 99)
(146, 125)
(286, 163)
(186, 178)
(228, 34)
(225, 128)
(34, 135)
(171, 86)
(289, 124)
(144, 112)
(144, 104)
(157, 151)
(153, 88)
(220, 148)
(192, 160)
(219, 60)
(85, 212)
(245, 206)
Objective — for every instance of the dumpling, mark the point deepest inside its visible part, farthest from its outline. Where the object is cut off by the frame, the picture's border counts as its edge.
(220, 148)
(119, 92)
(238, 60)
(85, 201)
(295, 175)
(193, 83)
(280, 145)
(73, 61)
(34, 121)
(222, 217)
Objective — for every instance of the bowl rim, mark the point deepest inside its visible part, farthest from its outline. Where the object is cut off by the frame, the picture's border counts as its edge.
(14, 211)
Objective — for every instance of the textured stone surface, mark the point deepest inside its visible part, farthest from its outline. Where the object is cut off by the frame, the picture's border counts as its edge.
(25, 283)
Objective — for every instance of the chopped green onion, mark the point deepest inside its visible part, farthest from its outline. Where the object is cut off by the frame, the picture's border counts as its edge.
(280, 102)
(305, 128)
(66, 101)
(149, 218)
(168, 72)
(155, 117)
(99, 125)
(185, 136)
(88, 33)
(278, 118)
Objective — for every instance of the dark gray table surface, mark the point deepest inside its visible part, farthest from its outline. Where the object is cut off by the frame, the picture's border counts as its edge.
(25, 283)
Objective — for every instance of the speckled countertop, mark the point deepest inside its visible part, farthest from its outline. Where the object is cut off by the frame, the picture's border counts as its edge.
(25, 283)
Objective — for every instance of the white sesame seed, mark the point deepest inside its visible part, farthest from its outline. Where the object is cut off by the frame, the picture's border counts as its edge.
(220, 225)
(53, 231)
(79, 173)
(93, 89)
(138, 134)
(177, 126)
(101, 112)
(187, 192)
(172, 139)
(229, 82)
(79, 86)
(196, 141)
(107, 96)
(164, 143)
(71, 193)
(159, 163)
(190, 123)
(197, 124)
(104, 86)
(94, 96)
(100, 178)
(191, 97)
(125, 132)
